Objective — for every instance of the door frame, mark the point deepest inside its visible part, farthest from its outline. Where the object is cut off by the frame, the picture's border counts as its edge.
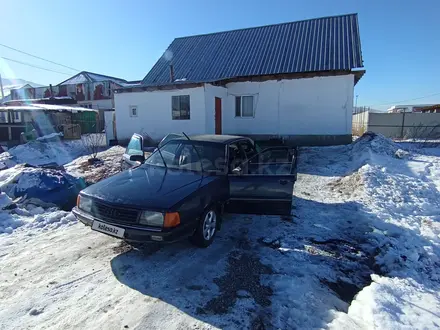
(218, 115)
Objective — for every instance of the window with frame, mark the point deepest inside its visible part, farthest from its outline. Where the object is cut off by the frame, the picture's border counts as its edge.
(133, 111)
(180, 107)
(244, 106)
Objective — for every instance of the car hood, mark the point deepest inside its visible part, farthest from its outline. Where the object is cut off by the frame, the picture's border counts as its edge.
(146, 187)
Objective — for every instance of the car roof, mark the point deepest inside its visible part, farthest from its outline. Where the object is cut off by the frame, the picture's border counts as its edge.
(225, 139)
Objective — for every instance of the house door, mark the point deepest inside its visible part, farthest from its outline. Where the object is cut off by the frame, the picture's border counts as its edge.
(218, 115)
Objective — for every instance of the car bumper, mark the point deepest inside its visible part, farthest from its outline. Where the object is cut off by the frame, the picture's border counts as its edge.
(139, 234)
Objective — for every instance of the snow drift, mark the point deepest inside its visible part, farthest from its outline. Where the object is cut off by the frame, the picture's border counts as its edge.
(39, 153)
(402, 196)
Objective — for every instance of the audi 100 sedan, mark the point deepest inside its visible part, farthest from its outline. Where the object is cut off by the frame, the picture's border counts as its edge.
(186, 185)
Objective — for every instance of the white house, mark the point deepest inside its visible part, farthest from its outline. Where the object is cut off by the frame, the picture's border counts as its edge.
(293, 80)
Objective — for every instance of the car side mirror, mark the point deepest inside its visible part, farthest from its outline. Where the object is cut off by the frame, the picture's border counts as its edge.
(237, 171)
(137, 158)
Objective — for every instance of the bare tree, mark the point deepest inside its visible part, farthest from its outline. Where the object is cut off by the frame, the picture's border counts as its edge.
(92, 143)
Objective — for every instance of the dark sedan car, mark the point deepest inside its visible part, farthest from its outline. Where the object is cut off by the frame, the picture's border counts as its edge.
(184, 187)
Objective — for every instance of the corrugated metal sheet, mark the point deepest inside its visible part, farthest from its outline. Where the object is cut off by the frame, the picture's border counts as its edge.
(321, 44)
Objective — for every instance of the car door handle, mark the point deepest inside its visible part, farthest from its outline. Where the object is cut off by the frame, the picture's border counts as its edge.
(283, 181)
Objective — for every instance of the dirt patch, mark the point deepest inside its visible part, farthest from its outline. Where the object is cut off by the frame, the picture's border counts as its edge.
(97, 171)
(243, 274)
(348, 185)
(122, 247)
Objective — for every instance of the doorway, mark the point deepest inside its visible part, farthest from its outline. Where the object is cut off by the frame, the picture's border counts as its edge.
(218, 115)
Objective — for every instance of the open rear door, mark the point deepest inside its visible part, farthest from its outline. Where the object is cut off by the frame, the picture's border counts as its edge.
(135, 147)
(264, 184)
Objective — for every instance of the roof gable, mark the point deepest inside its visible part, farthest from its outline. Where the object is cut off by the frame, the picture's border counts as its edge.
(90, 77)
(321, 44)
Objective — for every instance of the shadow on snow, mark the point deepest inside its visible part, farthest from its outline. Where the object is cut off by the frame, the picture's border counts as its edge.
(261, 272)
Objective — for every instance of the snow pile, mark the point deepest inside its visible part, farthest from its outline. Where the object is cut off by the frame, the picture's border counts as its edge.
(52, 220)
(372, 143)
(391, 303)
(39, 153)
(35, 217)
(402, 196)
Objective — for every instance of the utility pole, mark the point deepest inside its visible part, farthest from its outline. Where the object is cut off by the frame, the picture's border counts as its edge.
(356, 104)
(1, 87)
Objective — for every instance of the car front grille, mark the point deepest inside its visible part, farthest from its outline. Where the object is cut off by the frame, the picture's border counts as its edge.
(114, 214)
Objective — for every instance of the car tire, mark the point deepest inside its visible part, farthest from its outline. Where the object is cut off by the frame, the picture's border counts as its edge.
(207, 228)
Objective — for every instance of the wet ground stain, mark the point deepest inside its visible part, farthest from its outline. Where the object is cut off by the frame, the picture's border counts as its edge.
(243, 274)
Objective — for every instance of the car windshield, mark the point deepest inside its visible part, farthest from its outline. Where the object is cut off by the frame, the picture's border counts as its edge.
(182, 154)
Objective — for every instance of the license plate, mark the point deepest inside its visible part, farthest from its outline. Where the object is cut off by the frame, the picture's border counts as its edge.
(108, 229)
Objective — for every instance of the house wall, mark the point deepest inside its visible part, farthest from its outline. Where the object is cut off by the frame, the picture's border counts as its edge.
(310, 111)
(307, 111)
(211, 92)
(154, 113)
(97, 104)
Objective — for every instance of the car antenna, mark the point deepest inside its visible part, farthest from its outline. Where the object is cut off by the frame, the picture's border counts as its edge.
(197, 152)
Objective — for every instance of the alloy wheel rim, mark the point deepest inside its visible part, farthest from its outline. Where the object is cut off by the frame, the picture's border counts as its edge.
(209, 225)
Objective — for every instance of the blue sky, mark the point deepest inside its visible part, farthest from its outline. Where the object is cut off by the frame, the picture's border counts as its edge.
(400, 39)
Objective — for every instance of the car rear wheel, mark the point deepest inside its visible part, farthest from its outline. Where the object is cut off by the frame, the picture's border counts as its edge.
(206, 229)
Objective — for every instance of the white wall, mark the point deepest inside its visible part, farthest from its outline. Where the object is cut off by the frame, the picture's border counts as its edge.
(98, 104)
(211, 92)
(312, 106)
(154, 113)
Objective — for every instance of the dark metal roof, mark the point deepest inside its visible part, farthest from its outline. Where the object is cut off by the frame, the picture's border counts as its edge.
(321, 44)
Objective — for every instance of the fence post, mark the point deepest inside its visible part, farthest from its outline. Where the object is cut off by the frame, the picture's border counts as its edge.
(403, 123)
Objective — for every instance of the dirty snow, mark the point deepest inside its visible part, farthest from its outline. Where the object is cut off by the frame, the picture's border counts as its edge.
(39, 153)
(360, 251)
(109, 164)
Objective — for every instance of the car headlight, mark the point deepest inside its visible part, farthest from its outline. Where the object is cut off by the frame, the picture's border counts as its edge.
(150, 218)
(85, 204)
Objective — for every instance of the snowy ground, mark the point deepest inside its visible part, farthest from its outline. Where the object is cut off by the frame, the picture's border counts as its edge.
(363, 209)
(109, 164)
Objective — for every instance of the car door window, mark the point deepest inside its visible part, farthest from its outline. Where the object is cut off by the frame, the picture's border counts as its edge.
(168, 152)
(134, 146)
(169, 137)
(248, 148)
(236, 156)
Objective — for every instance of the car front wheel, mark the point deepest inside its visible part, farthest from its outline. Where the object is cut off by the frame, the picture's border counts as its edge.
(207, 228)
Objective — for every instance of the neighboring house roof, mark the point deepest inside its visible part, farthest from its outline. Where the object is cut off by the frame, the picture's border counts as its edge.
(321, 44)
(10, 84)
(90, 77)
(45, 107)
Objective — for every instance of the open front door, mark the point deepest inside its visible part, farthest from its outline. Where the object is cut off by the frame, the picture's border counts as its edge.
(135, 147)
(218, 115)
(264, 184)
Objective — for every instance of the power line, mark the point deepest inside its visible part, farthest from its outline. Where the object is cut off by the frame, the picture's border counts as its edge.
(40, 58)
(34, 66)
(396, 102)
